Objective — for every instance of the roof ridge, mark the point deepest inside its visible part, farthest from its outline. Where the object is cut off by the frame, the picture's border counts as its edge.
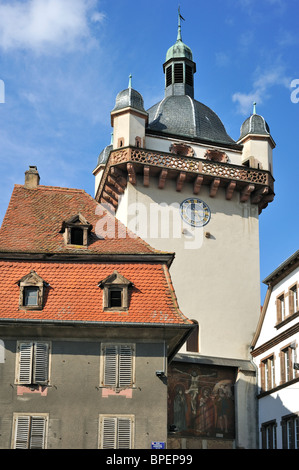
(55, 188)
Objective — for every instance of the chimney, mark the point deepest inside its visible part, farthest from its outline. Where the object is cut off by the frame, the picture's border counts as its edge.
(31, 178)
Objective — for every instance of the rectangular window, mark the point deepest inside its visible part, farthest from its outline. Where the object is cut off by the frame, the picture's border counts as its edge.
(189, 75)
(280, 302)
(287, 363)
(169, 75)
(32, 363)
(30, 296)
(115, 298)
(118, 363)
(293, 300)
(269, 438)
(267, 374)
(116, 432)
(30, 432)
(178, 73)
(290, 431)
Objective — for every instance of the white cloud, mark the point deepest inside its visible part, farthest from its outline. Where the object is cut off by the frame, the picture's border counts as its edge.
(262, 84)
(44, 25)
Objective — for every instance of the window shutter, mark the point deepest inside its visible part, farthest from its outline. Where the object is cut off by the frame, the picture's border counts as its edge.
(22, 432)
(110, 366)
(25, 363)
(41, 363)
(37, 438)
(124, 433)
(125, 365)
(109, 433)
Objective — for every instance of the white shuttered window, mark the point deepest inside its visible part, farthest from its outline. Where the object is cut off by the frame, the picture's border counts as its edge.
(30, 432)
(33, 363)
(116, 432)
(118, 365)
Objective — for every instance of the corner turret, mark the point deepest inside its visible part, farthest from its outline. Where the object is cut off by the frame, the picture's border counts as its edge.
(128, 119)
(257, 142)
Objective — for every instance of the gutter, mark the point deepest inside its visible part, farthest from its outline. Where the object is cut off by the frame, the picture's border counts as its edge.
(165, 258)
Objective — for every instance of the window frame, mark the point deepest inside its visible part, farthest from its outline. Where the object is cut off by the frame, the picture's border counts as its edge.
(287, 360)
(293, 294)
(27, 443)
(269, 434)
(281, 307)
(290, 431)
(115, 281)
(77, 222)
(120, 360)
(113, 421)
(32, 362)
(267, 371)
(29, 281)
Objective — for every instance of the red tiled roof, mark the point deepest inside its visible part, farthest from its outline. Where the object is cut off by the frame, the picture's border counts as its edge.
(34, 219)
(74, 295)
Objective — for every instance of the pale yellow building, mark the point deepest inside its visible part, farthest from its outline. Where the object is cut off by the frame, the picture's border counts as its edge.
(175, 177)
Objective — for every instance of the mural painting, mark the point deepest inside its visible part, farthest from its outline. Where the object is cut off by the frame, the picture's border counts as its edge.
(201, 400)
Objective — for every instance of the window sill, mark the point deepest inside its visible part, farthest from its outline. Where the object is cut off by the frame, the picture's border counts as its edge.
(277, 388)
(288, 319)
(23, 307)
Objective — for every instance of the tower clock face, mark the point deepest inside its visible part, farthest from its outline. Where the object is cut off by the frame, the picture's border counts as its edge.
(195, 212)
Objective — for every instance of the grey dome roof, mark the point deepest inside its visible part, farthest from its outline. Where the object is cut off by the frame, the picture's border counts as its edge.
(129, 98)
(184, 116)
(104, 155)
(179, 50)
(255, 124)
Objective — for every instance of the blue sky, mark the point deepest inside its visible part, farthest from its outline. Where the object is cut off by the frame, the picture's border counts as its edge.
(62, 62)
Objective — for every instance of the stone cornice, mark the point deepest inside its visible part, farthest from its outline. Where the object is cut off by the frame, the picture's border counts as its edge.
(126, 163)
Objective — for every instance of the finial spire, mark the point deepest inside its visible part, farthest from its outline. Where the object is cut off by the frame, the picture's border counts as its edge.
(130, 81)
(179, 38)
(254, 107)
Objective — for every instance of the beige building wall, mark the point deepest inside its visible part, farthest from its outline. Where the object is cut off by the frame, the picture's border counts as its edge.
(216, 268)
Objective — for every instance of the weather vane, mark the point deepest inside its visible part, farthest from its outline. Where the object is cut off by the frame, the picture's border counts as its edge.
(179, 23)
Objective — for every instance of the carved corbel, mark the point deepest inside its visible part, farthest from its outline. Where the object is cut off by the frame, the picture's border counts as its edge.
(245, 194)
(180, 181)
(197, 184)
(230, 190)
(214, 187)
(162, 179)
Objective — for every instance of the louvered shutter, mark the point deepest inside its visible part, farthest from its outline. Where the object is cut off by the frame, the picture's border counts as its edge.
(125, 365)
(109, 433)
(25, 363)
(22, 432)
(37, 434)
(41, 363)
(124, 433)
(110, 366)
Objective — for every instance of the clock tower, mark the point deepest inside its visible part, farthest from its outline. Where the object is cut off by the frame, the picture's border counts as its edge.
(175, 177)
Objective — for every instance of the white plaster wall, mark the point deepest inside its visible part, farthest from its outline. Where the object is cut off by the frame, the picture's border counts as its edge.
(261, 150)
(268, 330)
(277, 405)
(216, 279)
(98, 177)
(163, 145)
(128, 126)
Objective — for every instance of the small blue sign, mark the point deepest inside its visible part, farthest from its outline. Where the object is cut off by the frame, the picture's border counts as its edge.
(158, 445)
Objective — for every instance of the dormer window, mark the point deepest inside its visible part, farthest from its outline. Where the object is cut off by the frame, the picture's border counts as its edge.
(32, 288)
(75, 231)
(115, 292)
